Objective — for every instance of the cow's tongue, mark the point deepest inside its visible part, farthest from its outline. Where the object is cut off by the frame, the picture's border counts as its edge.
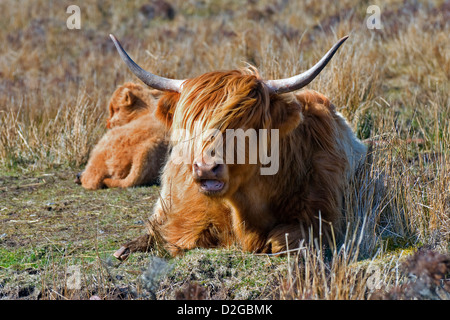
(212, 185)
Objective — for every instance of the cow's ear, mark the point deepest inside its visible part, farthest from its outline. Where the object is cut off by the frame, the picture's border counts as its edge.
(128, 97)
(166, 107)
(123, 97)
(286, 115)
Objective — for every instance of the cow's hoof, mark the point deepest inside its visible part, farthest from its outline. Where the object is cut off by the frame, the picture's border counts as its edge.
(140, 244)
(78, 177)
(123, 253)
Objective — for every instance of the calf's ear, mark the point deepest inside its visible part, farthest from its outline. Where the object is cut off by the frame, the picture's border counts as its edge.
(128, 97)
(123, 96)
(166, 107)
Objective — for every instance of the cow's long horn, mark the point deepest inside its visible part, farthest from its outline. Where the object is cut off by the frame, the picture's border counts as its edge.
(301, 80)
(150, 79)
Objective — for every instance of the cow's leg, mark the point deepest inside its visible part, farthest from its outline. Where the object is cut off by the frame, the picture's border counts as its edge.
(289, 236)
(136, 176)
(198, 224)
(285, 237)
(91, 178)
(151, 240)
(133, 179)
(192, 229)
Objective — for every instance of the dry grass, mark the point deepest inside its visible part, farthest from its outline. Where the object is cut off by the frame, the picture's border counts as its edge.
(392, 84)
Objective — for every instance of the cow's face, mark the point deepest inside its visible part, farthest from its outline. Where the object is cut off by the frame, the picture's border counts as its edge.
(226, 100)
(223, 122)
(125, 105)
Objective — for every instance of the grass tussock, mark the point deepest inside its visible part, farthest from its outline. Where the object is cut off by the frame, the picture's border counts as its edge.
(392, 85)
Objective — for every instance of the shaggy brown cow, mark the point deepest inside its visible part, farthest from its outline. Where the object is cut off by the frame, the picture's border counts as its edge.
(269, 212)
(133, 152)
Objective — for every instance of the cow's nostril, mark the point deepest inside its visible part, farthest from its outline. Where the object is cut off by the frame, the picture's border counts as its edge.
(216, 169)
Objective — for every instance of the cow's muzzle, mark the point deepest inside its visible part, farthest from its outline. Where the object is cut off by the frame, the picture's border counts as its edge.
(209, 176)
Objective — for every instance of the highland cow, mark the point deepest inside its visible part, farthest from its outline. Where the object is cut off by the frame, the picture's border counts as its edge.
(133, 152)
(318, 154)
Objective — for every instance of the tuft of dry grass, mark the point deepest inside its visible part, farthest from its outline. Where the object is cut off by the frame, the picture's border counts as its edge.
(426, 277)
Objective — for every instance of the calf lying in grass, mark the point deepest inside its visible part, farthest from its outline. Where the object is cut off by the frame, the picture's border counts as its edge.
(134, 150)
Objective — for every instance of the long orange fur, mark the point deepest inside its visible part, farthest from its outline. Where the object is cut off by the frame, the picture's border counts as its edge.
(133, 152)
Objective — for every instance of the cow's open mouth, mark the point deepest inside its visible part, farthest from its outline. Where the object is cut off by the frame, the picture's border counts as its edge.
(212, 186)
